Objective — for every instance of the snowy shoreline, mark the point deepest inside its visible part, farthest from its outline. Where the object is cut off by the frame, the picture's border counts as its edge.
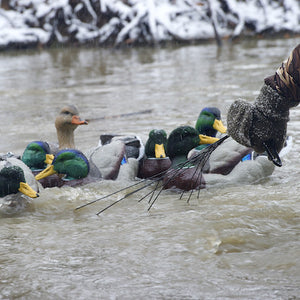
(116, 23)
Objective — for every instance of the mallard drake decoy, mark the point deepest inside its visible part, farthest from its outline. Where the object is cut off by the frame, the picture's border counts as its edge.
(188, 174)
(12, 181)
(9, 159)
(69, 167)
(37, 155)
(155, 161)
(156, 144)
(66, 122)
(16, 180)
(225, 165)
(183, 139)
(209, 122)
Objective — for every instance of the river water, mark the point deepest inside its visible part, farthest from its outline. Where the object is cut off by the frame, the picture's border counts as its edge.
(238, 241)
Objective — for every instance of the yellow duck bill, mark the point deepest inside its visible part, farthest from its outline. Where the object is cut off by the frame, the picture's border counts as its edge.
(205, 139)
(218, 125)
(49, 159)
(45, 173)
(27, 190)
(160, 151)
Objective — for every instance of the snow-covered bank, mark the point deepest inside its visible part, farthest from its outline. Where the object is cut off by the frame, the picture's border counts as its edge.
(33, 23)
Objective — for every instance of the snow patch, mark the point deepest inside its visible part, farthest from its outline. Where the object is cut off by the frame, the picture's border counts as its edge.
(117, 22)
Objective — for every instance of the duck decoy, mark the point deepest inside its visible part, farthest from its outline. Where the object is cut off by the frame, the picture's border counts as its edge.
(37, 155)
(155, 162)
(69, 167)
(229, 163)
(12, 181)
(183, 139)
(16, 180)
(10, 159)
(209, 122)
(156, 144)
(66, 123)
(72, 168)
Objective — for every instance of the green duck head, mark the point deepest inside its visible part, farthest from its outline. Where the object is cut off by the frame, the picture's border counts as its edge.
(209, 122)
(12, 181)
(181, 140)
(69, 162)
(35, 155)
(156, 144)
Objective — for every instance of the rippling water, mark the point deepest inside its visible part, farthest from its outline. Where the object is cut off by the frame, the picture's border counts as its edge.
(237, 242)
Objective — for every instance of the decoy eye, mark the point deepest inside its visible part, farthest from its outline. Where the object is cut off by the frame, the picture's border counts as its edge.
(66, 112)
